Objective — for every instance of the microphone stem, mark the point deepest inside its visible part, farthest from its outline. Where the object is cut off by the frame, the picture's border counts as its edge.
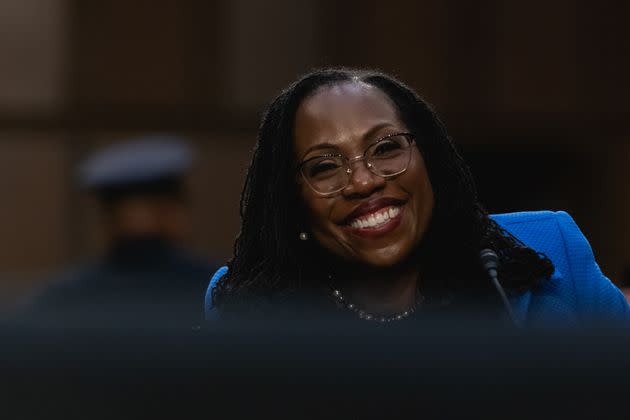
(495, 280)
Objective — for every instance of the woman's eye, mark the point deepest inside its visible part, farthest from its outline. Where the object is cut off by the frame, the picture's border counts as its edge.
(323, 168)
(386, 147)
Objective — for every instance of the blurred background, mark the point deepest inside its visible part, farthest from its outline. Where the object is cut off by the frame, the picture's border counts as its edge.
(534, 92)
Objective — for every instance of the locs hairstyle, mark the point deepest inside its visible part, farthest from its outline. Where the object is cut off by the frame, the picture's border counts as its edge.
(269, 259)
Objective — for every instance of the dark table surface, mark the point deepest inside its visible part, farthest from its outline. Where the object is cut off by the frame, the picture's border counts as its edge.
(313, 370)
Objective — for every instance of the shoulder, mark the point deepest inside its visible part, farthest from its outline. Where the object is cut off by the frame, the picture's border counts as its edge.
(553, 233)
(577, 286)
(74, 279)
(59, 290)
(210, 311)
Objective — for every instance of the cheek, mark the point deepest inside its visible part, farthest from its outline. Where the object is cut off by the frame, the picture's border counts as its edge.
(416, 179)
(418, 184)
(319, 224)
(317, 210)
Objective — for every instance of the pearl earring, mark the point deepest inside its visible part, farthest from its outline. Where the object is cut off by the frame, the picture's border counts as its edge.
(303, 236)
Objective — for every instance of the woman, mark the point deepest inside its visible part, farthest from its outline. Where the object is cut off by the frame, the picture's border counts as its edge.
(356, 203)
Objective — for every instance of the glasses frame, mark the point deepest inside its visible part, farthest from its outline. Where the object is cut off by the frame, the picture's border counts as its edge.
(349, 161)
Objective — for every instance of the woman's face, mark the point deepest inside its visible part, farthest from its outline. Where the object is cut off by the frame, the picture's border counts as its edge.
(372, 221)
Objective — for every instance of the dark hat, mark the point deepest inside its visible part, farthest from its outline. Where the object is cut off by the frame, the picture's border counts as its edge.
(138, 161)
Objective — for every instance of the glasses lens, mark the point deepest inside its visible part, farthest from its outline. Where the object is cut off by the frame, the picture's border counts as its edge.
(390, 156)
(326, 174)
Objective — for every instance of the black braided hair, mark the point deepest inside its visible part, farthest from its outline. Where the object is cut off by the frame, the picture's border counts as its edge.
(269, 261)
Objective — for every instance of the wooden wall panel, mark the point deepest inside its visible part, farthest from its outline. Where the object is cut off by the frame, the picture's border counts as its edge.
(147, 53)
(33, 55)
(269, 44)
(408, 39)
(34, 210)
(537, 57)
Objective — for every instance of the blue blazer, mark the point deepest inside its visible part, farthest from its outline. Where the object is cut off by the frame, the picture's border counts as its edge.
(577, 293)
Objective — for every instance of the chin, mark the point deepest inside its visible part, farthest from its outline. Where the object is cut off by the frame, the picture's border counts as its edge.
(378, 256)
(384, 258)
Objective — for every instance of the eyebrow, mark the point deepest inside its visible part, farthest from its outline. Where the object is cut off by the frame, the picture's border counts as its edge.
(365, 136)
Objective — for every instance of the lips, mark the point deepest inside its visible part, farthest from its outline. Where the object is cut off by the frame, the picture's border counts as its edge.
(375, 219)
(373, 208)
(376, 224)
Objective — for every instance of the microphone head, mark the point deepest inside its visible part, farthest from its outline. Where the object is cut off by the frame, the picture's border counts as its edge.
(489, 259)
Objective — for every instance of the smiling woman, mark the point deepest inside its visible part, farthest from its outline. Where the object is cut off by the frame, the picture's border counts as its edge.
(357, 204)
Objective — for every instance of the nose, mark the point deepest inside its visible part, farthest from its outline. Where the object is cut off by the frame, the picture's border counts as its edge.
(363, 181)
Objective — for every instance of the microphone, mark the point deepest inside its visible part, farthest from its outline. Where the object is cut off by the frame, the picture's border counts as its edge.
(490, 263)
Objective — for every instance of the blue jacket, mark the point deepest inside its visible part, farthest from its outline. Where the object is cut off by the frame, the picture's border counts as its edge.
(577, 292)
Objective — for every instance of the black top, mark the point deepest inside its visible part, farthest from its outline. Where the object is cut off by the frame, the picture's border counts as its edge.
(141, 281)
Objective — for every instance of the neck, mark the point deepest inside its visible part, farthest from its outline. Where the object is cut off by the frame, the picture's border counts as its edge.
(382, 291)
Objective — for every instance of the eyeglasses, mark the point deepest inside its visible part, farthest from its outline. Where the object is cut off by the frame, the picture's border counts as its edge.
(331, 173)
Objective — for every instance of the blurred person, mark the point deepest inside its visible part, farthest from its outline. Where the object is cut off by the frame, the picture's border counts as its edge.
(358, 206)
(145, 277)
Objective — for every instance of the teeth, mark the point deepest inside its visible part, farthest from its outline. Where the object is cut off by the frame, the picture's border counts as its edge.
(375, 218)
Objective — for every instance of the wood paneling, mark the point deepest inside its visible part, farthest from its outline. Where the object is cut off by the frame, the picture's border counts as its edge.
(34, 186)
(147, 53)
(34, 56)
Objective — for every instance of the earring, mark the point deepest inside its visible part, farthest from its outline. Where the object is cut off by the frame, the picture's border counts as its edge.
(303, 236)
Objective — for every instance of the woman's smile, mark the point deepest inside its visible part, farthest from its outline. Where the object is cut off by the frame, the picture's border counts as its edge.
(376, 218)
